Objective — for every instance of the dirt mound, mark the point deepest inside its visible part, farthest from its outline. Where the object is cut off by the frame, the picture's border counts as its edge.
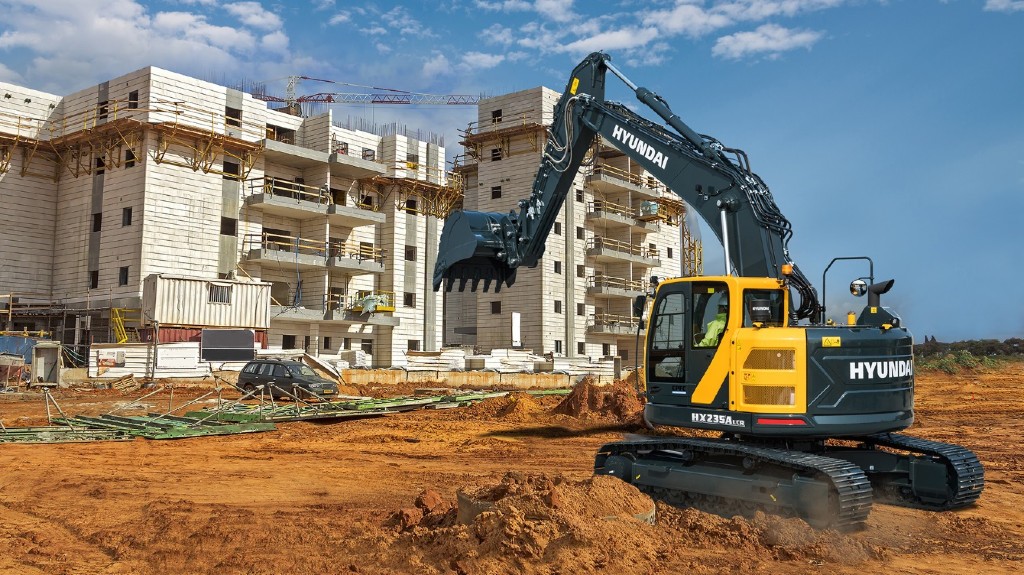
(618, 401)
(514, 407)
(528, 519)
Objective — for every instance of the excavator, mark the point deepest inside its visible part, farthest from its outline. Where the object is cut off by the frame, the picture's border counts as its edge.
(798, 416)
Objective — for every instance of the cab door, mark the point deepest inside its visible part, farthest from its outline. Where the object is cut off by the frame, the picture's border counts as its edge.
(667, 336)
(703, 313)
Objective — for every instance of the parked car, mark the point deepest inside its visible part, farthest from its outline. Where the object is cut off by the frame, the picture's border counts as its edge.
(283, 379)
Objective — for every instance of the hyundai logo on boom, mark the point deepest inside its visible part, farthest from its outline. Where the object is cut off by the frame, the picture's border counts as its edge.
(881, 369)
(641, 147)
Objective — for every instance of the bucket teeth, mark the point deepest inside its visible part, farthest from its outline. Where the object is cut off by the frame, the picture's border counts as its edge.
(480, 275)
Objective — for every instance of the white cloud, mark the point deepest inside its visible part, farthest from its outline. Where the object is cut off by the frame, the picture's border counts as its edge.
(374, 31)
(323, 4)
(382, 47)
(754, 10)
(339, 18)
(8, 75)
(688, 19)
(557, 10)
(1004, 5)
(254, 15)
(767, 39)
(612, 40)
(401, 21)
(504, 5)
(480, 60)
(496, 34)
(275, 42)
(195, 27)
(437, 65)
(102, 39)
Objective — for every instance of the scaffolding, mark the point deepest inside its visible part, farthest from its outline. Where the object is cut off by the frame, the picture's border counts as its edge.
(437, 195)
(111, 135)
(500, 131)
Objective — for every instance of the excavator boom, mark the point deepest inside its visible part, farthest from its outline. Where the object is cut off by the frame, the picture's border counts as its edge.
(714, 180)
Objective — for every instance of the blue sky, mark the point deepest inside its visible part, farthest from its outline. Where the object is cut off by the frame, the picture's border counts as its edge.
(890, 129)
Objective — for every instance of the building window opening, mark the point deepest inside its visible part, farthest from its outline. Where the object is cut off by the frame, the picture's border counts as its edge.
(228, 226)
(122, 276)
(233, 116)
(126, 217)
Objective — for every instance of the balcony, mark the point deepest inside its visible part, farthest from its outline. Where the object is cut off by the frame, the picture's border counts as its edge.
(614, 287)
(285, 252)
(606, 250)
(356, 257)
(365, 307)
(354, 164)
(288, 154)
(609, 324)
(607, 179)
(287, 199)
(615, 215)
(301, 202)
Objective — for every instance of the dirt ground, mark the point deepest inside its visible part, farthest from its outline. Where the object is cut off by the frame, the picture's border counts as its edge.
(378, 496)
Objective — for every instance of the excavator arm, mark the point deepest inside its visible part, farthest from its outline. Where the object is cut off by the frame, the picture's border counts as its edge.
(714, 180)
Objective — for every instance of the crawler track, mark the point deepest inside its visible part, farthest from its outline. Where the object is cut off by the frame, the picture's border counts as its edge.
(728, 477)
(964, 474)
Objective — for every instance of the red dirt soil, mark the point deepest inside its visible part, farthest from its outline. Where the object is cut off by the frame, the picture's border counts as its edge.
(380, 496)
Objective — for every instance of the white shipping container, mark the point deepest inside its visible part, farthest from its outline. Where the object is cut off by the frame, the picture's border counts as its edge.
(194, 302)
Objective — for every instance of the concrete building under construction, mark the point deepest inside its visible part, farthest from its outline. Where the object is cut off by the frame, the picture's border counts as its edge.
(155, 205)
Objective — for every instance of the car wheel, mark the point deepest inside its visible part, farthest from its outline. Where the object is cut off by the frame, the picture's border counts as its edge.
(248, 388)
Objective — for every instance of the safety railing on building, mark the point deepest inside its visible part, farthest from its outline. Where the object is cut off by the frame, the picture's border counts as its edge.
(610, 282)
(611, 208)
(612, 321)
(622, 247)
(358, 251)
(282, 188)
(284, 243)
(649, 182)
(120, 318)
(365, 301)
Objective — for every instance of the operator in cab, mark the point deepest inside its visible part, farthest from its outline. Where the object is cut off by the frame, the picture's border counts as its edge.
(716, 326)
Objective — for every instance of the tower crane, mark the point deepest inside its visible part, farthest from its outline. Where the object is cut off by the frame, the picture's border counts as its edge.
(381, 96)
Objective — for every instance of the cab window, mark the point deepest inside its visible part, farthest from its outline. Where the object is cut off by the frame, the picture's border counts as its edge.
(710, 313)
(267, 369)
(280, 371)
(668, 338)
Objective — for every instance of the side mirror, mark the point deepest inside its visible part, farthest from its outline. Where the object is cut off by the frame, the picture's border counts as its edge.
(638, 305)
(858, 287)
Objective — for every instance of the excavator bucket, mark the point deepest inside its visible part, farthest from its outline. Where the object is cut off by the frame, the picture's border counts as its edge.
(469, 252)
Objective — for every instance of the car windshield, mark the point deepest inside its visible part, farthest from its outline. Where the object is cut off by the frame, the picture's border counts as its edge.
(305, 370)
